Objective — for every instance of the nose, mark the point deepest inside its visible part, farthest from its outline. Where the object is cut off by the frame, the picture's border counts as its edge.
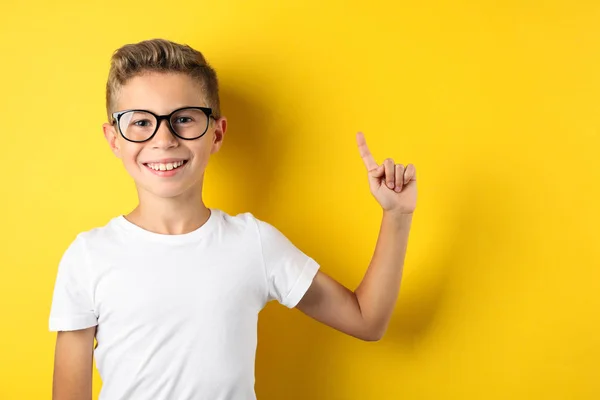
(164, 138)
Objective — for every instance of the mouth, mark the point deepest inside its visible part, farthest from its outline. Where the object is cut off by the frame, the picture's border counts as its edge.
(166, 167)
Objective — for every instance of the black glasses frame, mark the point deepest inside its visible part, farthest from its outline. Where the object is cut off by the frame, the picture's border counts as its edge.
(206, 110)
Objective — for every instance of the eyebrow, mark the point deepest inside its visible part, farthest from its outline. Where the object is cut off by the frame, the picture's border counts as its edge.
(157, 113)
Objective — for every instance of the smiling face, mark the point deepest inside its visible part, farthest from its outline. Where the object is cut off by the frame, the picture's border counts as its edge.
(164, 166)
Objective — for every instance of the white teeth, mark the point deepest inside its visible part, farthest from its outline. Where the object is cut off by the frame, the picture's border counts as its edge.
(165, 167)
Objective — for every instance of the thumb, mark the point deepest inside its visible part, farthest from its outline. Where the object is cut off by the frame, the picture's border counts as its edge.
(376, 174)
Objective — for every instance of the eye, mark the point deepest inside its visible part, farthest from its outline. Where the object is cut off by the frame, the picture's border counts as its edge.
(142, 123)
(183, 120)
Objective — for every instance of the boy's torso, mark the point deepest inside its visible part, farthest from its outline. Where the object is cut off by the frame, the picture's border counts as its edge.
(177, 320)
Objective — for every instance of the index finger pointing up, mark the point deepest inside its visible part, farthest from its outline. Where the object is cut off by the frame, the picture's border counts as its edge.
(365, 154)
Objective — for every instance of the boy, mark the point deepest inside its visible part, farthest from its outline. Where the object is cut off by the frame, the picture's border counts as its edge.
(172, 291)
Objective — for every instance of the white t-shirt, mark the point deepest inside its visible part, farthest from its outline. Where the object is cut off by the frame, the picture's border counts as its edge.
(177, 314)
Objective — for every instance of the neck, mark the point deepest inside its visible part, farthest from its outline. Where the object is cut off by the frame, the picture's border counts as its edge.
(170, 216)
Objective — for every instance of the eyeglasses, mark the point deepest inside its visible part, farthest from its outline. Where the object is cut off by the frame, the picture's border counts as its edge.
(186, 123)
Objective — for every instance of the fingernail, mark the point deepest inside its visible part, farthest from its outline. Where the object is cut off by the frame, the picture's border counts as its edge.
(391, 185)
(397, 189)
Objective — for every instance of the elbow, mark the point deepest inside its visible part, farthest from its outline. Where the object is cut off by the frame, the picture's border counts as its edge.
(373, 338)
(373, 334)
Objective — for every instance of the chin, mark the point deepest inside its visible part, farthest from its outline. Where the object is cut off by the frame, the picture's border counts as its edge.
(166, 191)
(172, 189)
(166, 194)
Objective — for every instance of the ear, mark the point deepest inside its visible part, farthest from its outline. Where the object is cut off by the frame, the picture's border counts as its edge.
(220, 129)
(112, 136)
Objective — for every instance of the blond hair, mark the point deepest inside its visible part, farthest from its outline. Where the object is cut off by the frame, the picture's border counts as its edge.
(160, 55)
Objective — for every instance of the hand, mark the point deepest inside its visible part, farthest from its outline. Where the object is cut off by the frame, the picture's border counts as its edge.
(393, 186)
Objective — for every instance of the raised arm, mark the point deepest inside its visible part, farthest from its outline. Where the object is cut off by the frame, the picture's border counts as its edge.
(73, 365)
(365, 312)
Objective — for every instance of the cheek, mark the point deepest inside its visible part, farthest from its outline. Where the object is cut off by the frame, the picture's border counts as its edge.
(201, 155)
(130, 153)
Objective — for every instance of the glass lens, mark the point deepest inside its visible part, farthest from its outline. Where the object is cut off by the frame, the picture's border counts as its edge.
(137, 125)
(189, 123)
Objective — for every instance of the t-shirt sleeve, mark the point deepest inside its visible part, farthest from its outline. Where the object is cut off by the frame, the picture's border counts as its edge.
(72, 305)
(289, 271)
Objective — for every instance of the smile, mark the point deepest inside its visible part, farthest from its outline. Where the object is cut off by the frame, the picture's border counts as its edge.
(165, 166)
(165, 169)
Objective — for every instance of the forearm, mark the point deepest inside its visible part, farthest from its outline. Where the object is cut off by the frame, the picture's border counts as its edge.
(378, 291)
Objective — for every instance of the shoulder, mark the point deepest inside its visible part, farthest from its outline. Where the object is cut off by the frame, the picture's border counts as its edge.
(75, 258)
(251, 223)
(100, 233)
(87, 239)
(243, 222)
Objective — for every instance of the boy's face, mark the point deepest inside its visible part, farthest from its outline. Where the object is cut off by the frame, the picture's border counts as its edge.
(161, 93)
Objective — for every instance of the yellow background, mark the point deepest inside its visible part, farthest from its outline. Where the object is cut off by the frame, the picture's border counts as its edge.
(495, 102)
